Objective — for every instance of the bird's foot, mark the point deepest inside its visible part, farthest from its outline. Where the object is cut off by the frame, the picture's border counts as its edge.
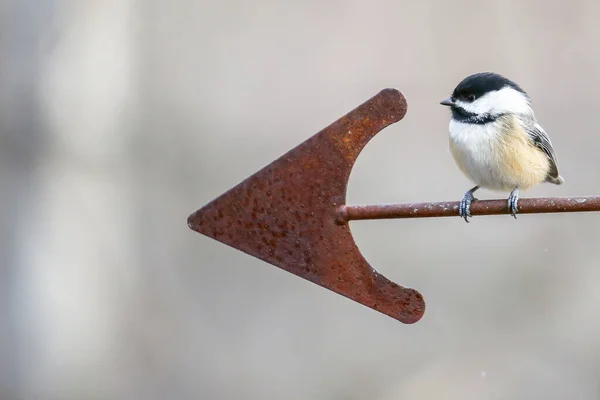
(464, 208)
(513, 201)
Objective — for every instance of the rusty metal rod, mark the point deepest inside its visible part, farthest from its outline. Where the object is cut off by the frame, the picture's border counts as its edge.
(479, 207)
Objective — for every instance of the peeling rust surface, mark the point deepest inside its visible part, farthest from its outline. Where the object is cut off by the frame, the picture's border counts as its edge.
(287, 214)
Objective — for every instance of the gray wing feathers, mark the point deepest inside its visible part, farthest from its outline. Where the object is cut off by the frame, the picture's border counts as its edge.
(541, 139)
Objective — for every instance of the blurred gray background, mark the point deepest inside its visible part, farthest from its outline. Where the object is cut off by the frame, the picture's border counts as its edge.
(120, 118)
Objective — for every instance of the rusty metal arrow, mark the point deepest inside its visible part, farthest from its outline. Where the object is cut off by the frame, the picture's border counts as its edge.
(293, 212)
(285, 214)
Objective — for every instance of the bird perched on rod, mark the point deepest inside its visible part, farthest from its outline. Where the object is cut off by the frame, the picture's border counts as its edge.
(496, 140)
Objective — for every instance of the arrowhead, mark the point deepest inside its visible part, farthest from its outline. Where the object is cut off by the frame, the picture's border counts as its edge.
(285, 214)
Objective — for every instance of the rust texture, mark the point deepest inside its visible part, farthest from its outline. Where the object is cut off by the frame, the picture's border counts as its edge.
(478, 207)
(287, 213)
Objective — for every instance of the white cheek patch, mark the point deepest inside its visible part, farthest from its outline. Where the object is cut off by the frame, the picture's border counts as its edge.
(505, 100)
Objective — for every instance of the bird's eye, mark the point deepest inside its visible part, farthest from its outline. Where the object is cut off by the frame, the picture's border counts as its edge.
(471, 97)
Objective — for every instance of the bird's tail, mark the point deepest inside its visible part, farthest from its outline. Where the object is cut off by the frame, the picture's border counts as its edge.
(557, 180)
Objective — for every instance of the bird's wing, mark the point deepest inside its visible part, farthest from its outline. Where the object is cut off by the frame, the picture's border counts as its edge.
(541, 139)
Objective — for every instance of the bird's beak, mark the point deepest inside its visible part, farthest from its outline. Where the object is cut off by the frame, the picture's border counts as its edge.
(447, 102)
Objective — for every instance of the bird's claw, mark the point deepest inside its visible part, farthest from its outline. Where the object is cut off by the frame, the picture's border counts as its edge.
(464, 208)
(513, 201)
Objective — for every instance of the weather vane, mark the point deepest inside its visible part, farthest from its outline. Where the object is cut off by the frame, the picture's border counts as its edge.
(293, 212)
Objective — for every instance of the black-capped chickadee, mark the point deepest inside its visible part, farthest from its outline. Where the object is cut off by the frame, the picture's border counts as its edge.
(495, 139)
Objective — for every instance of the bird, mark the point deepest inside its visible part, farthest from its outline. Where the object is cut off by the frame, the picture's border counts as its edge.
(496, 140)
